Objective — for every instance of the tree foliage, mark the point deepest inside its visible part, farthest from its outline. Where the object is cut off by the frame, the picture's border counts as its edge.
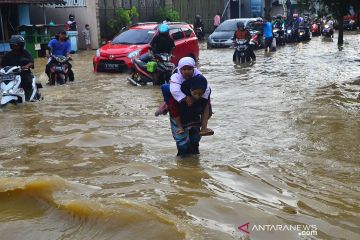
(123, 17)
(169, 14)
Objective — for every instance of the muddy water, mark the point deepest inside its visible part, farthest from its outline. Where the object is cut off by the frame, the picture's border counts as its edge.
(92, 161)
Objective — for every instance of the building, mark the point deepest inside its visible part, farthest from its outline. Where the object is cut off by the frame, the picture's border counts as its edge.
(14, 13)
(96, 13)
(85, 11)
(257, 8)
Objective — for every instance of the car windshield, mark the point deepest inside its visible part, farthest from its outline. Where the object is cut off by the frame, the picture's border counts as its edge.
(132, 36)
(227, 26)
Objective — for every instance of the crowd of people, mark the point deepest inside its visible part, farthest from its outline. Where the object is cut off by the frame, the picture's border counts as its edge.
(186, 96)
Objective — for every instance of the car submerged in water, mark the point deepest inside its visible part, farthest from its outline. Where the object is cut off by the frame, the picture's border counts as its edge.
(117, 55)
(222, 36)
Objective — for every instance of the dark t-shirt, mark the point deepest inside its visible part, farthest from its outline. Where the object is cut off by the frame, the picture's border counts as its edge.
(21, 59)
(161, 44)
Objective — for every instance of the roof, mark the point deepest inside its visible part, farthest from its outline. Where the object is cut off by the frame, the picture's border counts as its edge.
(32, 1)
(155, 25)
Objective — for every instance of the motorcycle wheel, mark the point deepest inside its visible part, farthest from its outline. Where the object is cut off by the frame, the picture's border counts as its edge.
(52, 79)
(137, 78)
(236, 57)
(242, 59)
(60, 79)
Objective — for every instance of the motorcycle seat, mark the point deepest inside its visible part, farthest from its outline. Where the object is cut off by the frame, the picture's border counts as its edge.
(140, 63)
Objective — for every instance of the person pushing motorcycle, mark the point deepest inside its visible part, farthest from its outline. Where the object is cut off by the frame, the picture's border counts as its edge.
(242, 33)
(19, 56)
(59, 46)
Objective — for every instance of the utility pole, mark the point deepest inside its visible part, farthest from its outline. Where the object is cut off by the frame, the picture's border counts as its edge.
(240, 8)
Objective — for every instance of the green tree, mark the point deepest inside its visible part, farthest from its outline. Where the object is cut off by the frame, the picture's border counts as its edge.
(167, 14)
(123, 18)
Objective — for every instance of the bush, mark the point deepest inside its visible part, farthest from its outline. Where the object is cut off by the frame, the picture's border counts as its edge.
(122, 19)
(167, 14)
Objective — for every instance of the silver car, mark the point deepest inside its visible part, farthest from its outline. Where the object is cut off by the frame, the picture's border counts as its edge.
(222, 36)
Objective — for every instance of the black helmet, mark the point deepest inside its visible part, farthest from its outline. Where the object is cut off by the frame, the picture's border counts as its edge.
(71, 17)
(240, 25)
(17, 40)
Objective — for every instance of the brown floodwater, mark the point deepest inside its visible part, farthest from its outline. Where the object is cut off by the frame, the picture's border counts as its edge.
(91, 161)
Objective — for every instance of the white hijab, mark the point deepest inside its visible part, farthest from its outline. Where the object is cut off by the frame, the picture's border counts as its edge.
(185, 61)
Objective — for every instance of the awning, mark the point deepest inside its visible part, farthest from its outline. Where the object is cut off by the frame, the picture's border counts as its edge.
(32, 1)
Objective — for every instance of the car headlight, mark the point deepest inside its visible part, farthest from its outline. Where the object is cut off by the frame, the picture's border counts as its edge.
(97, 53)
(134, 54)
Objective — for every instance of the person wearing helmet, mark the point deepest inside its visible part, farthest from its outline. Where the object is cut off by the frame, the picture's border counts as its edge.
(71, 24)
(59, 46)
(278, 22)
(19, 56)
(161, 43)
(268, 34)
(243, 33)
(295, 21)
(198, 24)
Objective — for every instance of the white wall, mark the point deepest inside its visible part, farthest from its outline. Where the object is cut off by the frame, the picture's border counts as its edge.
(83, 15)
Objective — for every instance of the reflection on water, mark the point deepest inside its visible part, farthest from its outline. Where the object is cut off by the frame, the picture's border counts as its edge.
(92, 161)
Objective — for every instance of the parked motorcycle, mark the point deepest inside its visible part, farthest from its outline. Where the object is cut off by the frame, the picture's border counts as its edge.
(10, 90)
(157, 72)
(327, 32)
(350, 24)
(59, 68)
(241, 53)
(315, 29)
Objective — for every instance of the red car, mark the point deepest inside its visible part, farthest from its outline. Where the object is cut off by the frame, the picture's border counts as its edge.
(116, 55)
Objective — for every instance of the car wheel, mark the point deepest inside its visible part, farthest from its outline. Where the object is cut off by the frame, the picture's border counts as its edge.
(208, 46)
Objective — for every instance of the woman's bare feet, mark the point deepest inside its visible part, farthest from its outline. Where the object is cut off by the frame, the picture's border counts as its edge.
(206, 132)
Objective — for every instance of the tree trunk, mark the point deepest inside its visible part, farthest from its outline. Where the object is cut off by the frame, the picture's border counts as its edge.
(341, 31)
(267, 8)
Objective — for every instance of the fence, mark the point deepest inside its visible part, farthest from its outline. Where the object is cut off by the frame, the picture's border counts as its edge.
(107, 10)
(206, 8)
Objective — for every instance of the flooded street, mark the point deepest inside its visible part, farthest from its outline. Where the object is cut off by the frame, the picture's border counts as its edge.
(92, 161)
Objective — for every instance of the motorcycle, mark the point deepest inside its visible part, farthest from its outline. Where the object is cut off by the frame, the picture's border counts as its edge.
(10, 90)
(158, 71)
(327, 32)
(315, 29)
(290, 35)
(303, 34)
(350, 24)
(256, 37)
(59, 68)
(199, 33)
(279, 34)
(241, 54)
